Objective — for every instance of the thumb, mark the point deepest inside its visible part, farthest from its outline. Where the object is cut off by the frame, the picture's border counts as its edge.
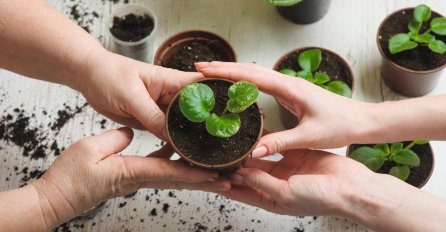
(108, 143)
(263, 181)
(147, 112)
(278, 142)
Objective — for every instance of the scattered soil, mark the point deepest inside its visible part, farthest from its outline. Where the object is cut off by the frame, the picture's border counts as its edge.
(132, 28)
(417, 175)
(418, 59)
(331, 64)
(65, 115)
(195, 51)
(197, 144)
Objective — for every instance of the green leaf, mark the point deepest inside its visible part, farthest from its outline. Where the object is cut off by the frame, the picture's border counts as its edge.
(307, 75)
(310, 60)
(414, 26)
(406, 157)
(321, 78)
(196, 102)
(224, 126)
(383, 147)
(283, 2)
(438, 46)
(420, 142)
(395, 148)
(422, 13)
(438, 25)
(401, 42)
(340, 88)
(400, 172)
(288, 72)
(242, 94)
(424, 38)
(372, 158)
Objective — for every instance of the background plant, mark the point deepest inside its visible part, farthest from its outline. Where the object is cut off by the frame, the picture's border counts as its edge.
(309, 61)
(410, 40)
(283, 2)
(403, 158)
(197, 101)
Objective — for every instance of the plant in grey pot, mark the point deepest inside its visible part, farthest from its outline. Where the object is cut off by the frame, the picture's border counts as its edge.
(302, 11)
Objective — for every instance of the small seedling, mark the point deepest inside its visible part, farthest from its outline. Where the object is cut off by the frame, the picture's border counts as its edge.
(403, 158)
(283, 2)
(412, 39)
(197, 101)
(309, 61)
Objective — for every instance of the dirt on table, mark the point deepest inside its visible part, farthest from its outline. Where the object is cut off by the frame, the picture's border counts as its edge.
(132, 28)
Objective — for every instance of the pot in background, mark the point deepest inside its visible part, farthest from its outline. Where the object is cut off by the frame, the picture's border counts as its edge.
(306, 11)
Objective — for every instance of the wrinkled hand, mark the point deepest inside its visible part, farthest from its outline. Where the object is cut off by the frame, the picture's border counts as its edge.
(326, 120)
(91, 171)
(131, 92)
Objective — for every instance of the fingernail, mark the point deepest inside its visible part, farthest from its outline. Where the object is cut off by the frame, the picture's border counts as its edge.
(214, 178)
(235, 179)
(259, 152)
(201, 65)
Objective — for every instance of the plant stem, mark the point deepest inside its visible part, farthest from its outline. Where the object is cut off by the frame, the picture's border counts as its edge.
(428, 31)
(410, 145)
(224, 111)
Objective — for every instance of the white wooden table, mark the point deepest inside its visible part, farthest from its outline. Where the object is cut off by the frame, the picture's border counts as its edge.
(259, 35)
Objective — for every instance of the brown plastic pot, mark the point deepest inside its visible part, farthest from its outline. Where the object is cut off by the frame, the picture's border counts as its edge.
(410, 83)
(173, 43)
(290, 120)
(305, 12)
(430, 155)
(226, 167)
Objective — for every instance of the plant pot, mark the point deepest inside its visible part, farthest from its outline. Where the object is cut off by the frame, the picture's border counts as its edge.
(411, 73)
(136, 45)
(305, 12)
(335, 66)
(183, 49)
(418, 176)
(196, 146)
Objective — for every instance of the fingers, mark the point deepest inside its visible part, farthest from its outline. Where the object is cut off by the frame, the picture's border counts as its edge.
(263, 181)
(220, 185)
(264, 165)
(252, 197)
(280, 141)
(107, 143)
(165, 152)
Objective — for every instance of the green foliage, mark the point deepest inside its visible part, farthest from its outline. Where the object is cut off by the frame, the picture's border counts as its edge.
(283, 2)
(402, 158)
(309, 61)
(412, 39)
(197, 100)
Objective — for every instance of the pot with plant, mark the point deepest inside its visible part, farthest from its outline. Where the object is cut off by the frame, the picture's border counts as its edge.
(132, 28)
(412, 44)
(215, 123)
(302, 11)
(412, 161)
(319, 66)
(181, 51)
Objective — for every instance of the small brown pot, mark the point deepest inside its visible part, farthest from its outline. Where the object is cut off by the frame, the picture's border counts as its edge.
(289, 120)
(305, 12)
(426, 168)
(208, 145)
(170, 46)
(403, 80)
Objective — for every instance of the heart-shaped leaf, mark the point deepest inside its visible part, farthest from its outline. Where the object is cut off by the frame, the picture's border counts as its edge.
(242, 94)
(400, 172)
(340, 88)
(383, 147)
(401, 42)
(424, 38)
(414, 26)
(420, 142)
(321, 78)
(406, 157)
(307, 75)
(310, 60)
(283, 2)
(372, 158)
(224, 126)
(196, 102)
(288, 72)
(422, 13)
(438, 46)
(395, 148)
(438, 25)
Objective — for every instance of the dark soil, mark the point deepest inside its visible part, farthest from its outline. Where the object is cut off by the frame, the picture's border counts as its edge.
(418, 59)
(197, 144)
(331, 64)
(132, 28)
(195, 51)
(417, 175)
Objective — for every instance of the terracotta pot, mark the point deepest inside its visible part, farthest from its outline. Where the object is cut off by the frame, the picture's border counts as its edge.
(173, 43)
(289, 120)
(225, 167)
(429, 153)
(410, 83)
(305, 12)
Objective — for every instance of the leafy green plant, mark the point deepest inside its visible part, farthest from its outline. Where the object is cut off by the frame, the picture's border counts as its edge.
(309, 61)
(283, 2)
(197, 100)
(403, 158)
(412, 39)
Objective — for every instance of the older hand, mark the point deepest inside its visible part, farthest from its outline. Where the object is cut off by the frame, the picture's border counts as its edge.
(91, 171)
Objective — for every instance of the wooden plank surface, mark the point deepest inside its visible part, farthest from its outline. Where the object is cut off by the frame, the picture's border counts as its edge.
(259, 35)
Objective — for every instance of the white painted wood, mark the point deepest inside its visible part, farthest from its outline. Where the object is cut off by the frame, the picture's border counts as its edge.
(259, 35)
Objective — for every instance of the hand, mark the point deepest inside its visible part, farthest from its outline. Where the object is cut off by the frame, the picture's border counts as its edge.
(131, 92)
(326, 120)
(91, 171)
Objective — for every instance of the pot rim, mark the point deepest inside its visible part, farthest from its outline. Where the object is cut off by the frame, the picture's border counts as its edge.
(384, 56)
(171, 39)
(209, 166)
(347, 154)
